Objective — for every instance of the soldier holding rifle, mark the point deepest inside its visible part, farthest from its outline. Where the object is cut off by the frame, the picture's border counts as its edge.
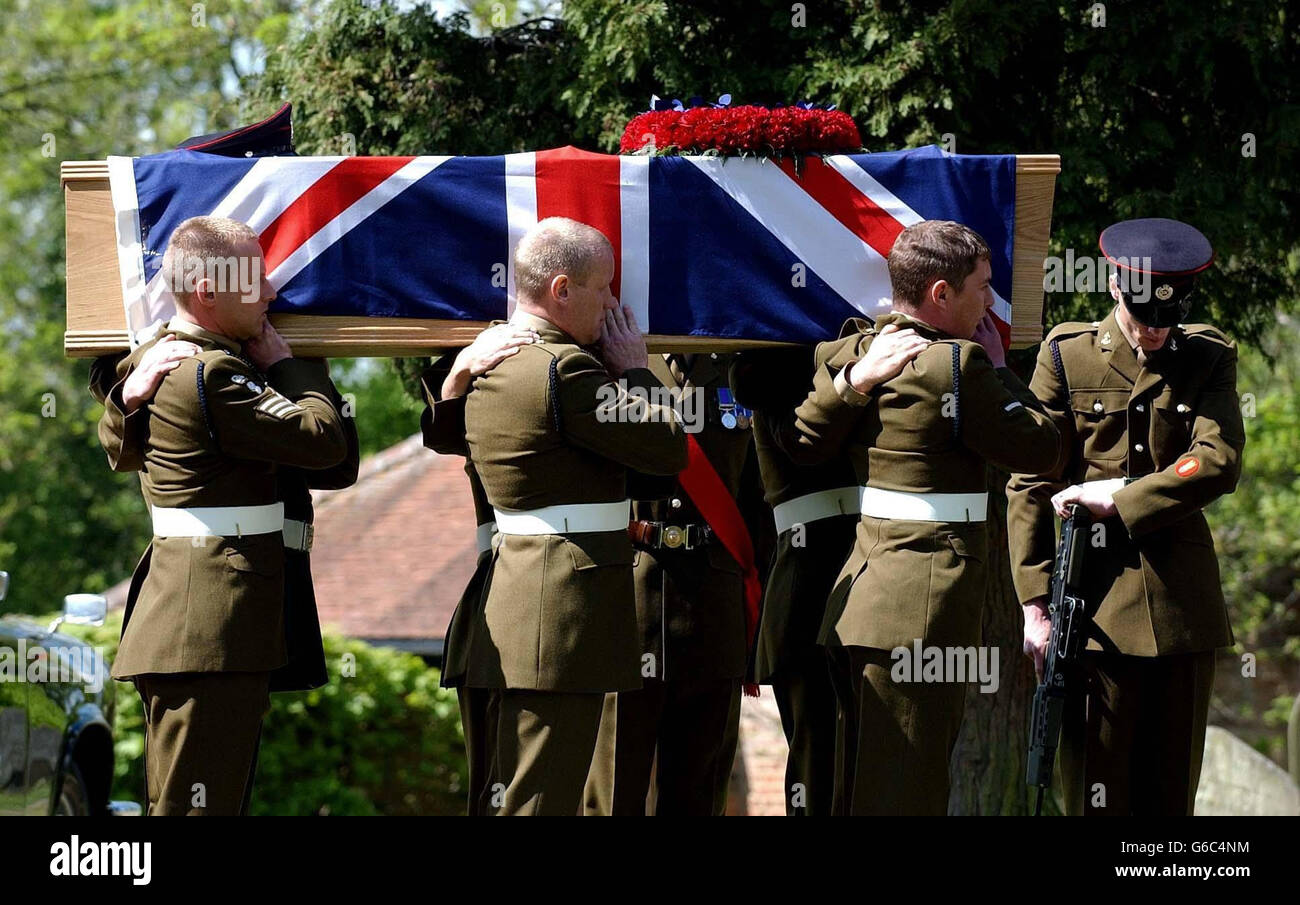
(1151, 434)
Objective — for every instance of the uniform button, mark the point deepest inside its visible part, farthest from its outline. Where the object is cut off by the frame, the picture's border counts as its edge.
(676, 503)
(1140, 407)
(1138, 447)
(1098, 407)
(1183, 408)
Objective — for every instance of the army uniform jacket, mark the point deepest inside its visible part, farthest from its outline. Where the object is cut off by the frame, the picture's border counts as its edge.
(806, 560)
(216, 605)
(691, 603)
(1173, 426)
(124, 438)
(442, 425)
(931, 429)
(548, 426)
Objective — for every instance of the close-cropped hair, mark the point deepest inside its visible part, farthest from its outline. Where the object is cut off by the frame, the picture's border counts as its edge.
(556, 245)
(930, 251)
(204, 247)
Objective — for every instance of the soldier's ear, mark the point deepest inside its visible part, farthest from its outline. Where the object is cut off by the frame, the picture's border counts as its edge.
(560, 287)
(938, 293)
(204, 291)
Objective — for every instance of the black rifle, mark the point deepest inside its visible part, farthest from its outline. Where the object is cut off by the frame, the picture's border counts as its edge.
(1061, 664)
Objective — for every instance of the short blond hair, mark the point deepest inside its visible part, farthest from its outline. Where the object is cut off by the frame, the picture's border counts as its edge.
(930, 251)
(556, 245)
(203, 246)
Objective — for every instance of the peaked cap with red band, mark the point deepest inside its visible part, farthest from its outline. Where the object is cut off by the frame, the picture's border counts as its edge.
(1157, 261)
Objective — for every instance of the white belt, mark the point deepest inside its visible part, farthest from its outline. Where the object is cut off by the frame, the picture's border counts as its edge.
(298, 535)
(924, 507)
(218, 521)
(574, 518)
(813, 506)
(484, 535)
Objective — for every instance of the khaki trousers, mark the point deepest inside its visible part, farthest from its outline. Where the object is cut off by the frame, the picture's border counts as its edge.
(684, 733)
(897, 737)
(1133, 743)
(809, 711)
(544, 742)
(201, 738)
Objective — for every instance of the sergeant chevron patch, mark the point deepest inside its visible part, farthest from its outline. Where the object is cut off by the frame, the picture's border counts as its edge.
(277, 406)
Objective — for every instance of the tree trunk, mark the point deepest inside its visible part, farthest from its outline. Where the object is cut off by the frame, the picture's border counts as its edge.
(988, 764)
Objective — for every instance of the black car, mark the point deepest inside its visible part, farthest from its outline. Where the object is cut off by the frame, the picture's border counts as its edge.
(56, 716)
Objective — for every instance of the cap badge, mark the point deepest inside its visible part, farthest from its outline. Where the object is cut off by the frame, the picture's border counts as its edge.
(1164, 291)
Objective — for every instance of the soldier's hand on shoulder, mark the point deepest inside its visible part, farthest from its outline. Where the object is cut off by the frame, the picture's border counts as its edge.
(267, 348)
(622, 345)
(491, 347)
(888, 354)
(157, 361)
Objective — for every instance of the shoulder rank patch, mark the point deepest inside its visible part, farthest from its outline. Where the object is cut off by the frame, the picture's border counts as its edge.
(1187, 466)
(277, 406)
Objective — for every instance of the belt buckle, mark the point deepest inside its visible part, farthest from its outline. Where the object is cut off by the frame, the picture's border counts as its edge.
(308, 535)
(672, 536)
(647, 533)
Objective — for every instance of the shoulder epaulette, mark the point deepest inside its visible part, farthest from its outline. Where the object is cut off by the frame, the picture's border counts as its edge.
(855, 325)
(1071, 328)
(1206, 332)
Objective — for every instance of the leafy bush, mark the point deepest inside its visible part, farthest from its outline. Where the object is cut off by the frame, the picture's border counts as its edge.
(1259, 548)
(381, 738)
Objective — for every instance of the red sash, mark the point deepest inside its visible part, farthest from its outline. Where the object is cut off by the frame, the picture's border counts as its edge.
(718, 507)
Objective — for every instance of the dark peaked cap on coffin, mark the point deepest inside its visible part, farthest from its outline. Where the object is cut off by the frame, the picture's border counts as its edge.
(1167, 254)
(272, 137)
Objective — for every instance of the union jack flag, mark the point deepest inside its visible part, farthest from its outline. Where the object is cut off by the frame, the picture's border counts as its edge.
(705, 246)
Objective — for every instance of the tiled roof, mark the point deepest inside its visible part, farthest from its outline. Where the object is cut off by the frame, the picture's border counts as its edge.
(393, 552)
